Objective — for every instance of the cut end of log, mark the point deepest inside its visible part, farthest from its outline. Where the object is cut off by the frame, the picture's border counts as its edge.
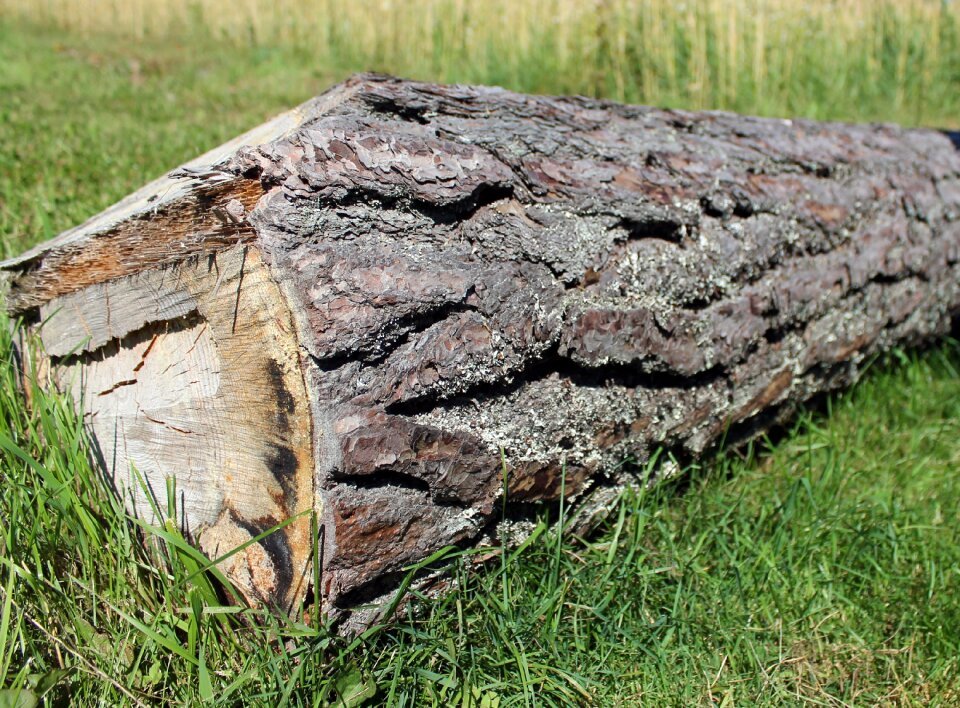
(360, 312)
(191, 373)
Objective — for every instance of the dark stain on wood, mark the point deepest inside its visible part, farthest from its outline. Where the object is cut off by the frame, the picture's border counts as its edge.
(286, 405)
(277, 547)
(283, 465)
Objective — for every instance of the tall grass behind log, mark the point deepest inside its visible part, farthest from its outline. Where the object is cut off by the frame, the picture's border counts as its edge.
(890, 60)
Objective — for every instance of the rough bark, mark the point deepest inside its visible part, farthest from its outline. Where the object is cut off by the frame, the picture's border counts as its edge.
(399, 282)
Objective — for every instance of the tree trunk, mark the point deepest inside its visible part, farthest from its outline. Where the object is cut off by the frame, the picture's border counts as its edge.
(372, 306)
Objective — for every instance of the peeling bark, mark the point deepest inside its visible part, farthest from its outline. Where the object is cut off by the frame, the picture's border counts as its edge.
(465, 272)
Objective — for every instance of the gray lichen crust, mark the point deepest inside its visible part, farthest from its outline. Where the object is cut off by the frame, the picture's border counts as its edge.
(569, 283)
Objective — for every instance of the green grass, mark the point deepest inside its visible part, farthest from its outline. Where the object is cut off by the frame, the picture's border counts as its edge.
(819, 569)
(876, 59)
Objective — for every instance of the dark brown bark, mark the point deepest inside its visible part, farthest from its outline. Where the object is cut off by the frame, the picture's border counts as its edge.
(561, 279)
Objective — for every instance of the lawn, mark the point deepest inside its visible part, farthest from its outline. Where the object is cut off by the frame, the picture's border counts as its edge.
(819, 567)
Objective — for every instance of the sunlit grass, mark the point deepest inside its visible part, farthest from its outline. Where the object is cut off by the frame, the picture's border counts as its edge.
(822, 570)
(892, 60)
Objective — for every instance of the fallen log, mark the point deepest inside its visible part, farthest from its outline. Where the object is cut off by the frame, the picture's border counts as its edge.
(366, 307)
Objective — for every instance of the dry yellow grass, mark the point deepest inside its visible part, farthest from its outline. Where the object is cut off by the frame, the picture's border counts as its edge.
(760, 55)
